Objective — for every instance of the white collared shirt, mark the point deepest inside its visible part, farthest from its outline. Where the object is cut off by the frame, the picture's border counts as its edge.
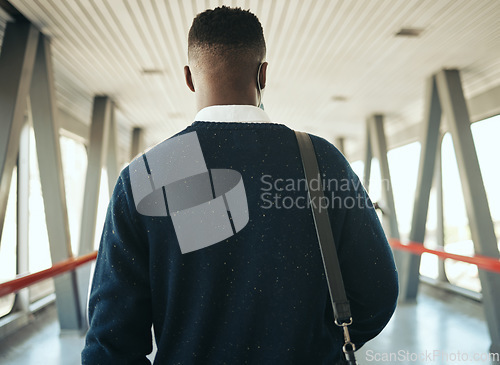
(232, 113)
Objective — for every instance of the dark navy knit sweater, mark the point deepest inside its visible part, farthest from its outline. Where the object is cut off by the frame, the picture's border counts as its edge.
(258, 297)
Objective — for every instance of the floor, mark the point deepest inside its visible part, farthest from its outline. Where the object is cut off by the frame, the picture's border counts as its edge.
(442, 328)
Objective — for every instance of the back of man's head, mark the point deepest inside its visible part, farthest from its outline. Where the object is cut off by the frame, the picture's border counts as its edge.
(227, 44)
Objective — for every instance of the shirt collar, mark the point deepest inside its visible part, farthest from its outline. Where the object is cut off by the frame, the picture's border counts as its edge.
(232, 113)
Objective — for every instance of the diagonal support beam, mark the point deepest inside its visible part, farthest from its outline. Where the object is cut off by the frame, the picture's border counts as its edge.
(17, 58)
(481, 225)
(137, 142)
(440, 231)
(409, 276)
(98, 145)
(22, 301)
(379, 145)
(339, 142)
(46, 128)
(112, 153)
(368, 157)
(97, 152)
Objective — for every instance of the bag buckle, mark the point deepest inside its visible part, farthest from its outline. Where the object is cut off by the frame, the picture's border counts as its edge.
(349, 347)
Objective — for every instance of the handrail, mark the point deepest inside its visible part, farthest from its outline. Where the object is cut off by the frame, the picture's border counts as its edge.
(482, 262)
(25, 280)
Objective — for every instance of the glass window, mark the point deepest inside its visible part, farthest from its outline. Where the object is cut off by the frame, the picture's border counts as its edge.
(403, 165)
(375, 181)
(375, 178)
(457, 236)
(8, 246)
(101, 208)
(74, 161)
(457, 231)
(74, 158)
(358, 168)
(485, 134)
(39, 251)
(375, 187)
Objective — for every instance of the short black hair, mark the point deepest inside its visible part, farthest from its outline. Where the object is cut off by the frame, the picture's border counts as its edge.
(226, 30)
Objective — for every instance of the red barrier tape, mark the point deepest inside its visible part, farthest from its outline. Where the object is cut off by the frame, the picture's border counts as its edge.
(482, 262)
(23, 281)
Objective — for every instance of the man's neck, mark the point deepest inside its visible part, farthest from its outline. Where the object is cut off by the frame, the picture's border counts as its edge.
(226, 97)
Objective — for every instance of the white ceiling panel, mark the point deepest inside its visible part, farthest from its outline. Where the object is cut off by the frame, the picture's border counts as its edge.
(331, 62)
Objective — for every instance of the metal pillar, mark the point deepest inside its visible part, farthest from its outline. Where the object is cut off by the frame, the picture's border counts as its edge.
(409, 276)
(368, 157)
(476, 202)
(340, 144)
(378, 141)
(444, 91)
(137, 142)
(16, 66)
(43, 108)
(440, 234)
(99, 132)
(98, 141)
(112, 154)
(23, 185)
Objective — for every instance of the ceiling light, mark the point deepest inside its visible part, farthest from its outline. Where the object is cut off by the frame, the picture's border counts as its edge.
(409, 32)
(151, 71)
(339, 98)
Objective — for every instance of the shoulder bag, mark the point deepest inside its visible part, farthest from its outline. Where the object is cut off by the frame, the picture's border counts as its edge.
(340, 304)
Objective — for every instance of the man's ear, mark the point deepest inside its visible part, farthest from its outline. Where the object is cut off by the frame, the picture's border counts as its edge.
(189, 79)
(262, 75)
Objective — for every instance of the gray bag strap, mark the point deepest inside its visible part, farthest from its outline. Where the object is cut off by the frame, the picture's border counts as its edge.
(341, 308)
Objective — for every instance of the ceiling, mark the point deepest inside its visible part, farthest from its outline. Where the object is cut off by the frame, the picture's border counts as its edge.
(331, 62)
